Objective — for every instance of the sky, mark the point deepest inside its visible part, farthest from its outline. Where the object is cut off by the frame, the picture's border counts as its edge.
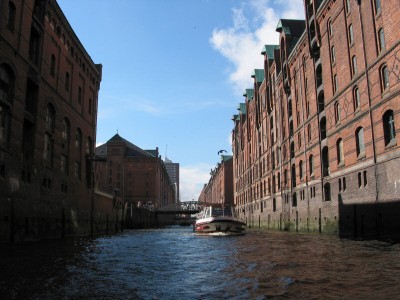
(174, 71)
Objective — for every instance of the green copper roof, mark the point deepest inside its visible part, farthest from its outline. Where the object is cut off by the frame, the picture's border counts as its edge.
(258, 74)
(249, 94)
(291, 27)
(269, 49)
(242, 108)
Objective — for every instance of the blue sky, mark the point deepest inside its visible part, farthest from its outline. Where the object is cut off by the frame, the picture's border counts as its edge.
(174, 71)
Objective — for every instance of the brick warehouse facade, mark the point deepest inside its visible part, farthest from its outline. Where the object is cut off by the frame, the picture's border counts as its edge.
(48, 108)
(139, 176)
(315, 141)
(219, 188)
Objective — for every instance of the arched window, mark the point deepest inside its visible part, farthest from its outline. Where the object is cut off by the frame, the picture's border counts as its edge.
(294, 199)
(292, 150)
(360, 141)
(333, 55)
(337, 113)
(335, 84)
(293, 175)
(389, 129)
(384, 77)
(323, 128)
(381, 38)
(354, 65)
(339, 151)
(330, 28)
(325, 161)
(356, 98)
(311, 164)
(11, 16)
(274, 205)
(351, 35)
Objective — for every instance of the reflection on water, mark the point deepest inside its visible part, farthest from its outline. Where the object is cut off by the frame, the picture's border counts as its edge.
(174, 263)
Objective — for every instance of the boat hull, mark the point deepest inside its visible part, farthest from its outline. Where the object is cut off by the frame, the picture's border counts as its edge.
(215, 226)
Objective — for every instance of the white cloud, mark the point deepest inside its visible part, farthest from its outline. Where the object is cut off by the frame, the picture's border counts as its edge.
(241, 44)
(192, 179)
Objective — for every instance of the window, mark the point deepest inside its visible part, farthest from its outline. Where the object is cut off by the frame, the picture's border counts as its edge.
(337, 113)
(311, 164)
(365, 178)
(377, 6)
(292, 150)
(354, 65)
(339, 150)
(351, 35)
(293, 175)
(309, 132)
(48, 149)
(333, 55)
(360, 141)
(335, 84)
(65, 133)
(11, 16)
(325, 161)
(5, 120)
(323, 128)
(52, 65)
(89, 146)
(6, 83)
(67, 79)
(330, 28)
(79, 95)
(301, 169)
(384, 77)
(78, 139)
(274, 205)
(50, 118)
(308, 108)
(381, 38)
(327, 191)
(356, 98)
(34, 46)
(388, 127)
(347, 6)
(77, 170)
(64, 164)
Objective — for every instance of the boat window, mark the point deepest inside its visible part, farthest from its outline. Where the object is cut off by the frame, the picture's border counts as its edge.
(228, 211)
(217, 211)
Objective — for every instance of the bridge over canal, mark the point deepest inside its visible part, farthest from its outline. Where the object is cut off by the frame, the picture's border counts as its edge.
(181, 208)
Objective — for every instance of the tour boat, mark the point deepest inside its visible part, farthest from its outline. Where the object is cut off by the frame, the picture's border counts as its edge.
(218, 220)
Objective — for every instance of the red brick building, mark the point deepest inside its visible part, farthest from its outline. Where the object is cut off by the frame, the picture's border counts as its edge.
(315, 141)
(48, 107)
(139, 176)
(219, 188)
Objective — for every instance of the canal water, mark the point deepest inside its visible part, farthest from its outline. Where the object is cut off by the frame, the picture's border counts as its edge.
(174, 263)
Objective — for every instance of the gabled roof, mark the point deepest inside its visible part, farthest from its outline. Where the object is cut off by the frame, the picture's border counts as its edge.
(131, 149)
(269, 50)
(258, 74)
